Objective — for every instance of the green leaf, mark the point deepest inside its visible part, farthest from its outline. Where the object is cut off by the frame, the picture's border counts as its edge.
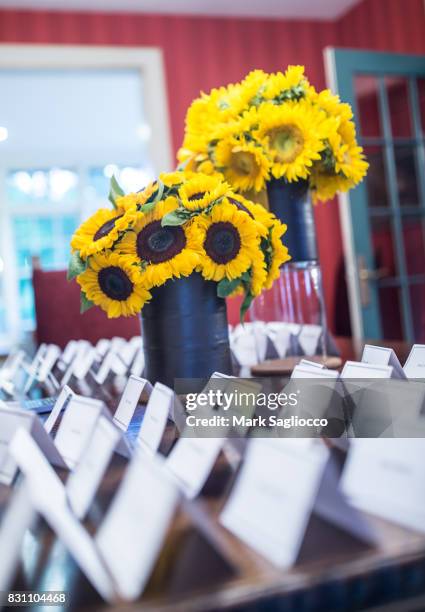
(115, 191)
(174, 218)
(245, 305)
(160, 191)
(85, 303)
(76, 265)
(148, 207)
(226, 287)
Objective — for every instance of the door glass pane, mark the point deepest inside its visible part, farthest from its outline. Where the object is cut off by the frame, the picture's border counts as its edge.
(376, 184)
(414, 244)
(383, 246)
(389, 301)
(399, 107)
(366, 93)
(405, 160)
(417, 298)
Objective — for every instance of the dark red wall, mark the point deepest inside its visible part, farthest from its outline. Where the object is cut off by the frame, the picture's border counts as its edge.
(201, 53)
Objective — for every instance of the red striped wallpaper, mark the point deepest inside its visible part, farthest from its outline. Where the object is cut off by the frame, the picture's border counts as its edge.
(201, 53)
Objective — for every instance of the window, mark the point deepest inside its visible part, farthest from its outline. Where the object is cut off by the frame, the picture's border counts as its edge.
(91, 114)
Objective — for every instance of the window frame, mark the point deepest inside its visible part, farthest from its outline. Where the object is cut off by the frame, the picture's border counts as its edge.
(147, 60)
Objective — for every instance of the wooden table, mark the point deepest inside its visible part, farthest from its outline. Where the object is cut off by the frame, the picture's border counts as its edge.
(203, 567)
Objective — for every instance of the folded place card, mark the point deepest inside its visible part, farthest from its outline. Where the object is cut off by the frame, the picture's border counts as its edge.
(309, 337)
(76, 427)
(359, 370)
(129, 400)
(48, 496)
(191, 462)
(269, 511)
(83, 348)
(82, 367)
(159, 408)
(12, 420)
(380, 355)
(17, 519)
(60, 405)
(415, 364)
(386, 477)
(276, 493)
(132, 534)
(138, 364)
(84, 481)
(48, 362)
(69, 352)
(311, 364)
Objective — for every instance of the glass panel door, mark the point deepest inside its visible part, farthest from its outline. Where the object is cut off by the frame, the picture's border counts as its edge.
(384, 217)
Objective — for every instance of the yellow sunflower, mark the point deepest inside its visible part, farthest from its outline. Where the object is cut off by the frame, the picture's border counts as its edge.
(260, 216)
(101, 230)
(278, 83)
(162, 252)
(138, 198)
(294, 133)
(350, 159)
(229, 240)
(173, 179)
(113, 282)
(325, 185)
(258, 275)
(243, 164)
(332, 104)
(279, 253)
(200, 190)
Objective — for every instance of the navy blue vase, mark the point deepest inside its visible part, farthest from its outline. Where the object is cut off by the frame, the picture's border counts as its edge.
(291, 204)
(185, 331)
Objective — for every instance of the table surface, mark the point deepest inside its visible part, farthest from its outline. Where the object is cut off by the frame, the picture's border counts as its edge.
(204, 567)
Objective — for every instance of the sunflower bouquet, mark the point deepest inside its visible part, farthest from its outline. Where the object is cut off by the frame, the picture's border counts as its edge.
(182, 223)
(274, 126)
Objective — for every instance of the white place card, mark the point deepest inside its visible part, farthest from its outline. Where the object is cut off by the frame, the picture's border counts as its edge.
(60, 404)
(102, 347)
(305, 370)
(48, 361)
(129, 400)
(83, 348)
(191, 462)
(159, 408)
(268, 512)
(11, 365)
(386, 477)
(48, 497)
(380, 355)
(312, 364)
(84, 481)
(83, 365)
(309, 337)
(77, 427)
(12, 420)
(17, 519)
(357, 369)
(134, 529)
(415, 364)
(69, 352)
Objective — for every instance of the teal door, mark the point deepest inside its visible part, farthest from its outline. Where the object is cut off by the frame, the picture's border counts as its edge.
(383, 219)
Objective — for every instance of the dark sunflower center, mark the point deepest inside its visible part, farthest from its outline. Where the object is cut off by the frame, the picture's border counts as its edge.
(156, 244)
(222, 242)
(241, 206)
(115, 283)
(196, 196)
(106, 228)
